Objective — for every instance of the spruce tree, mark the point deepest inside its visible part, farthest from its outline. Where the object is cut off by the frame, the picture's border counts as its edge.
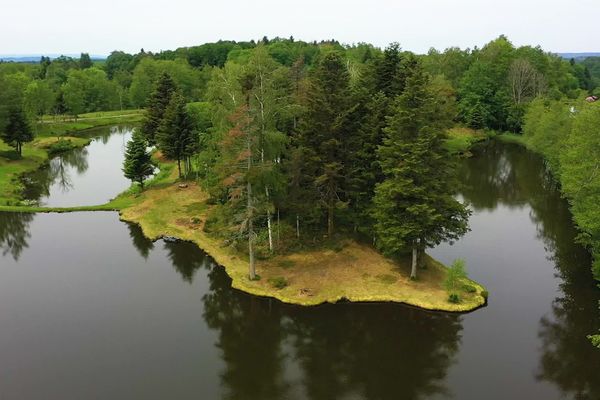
(157, 104)
(176, 138)
(17, 130)
(325, 133)
(414, 207)
(137, 165)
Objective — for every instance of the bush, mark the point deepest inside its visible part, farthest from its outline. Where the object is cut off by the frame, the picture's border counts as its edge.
(485, 294)
(470, 289)
(456, 276)
(60, 146)
(454, 298)
(278, 282)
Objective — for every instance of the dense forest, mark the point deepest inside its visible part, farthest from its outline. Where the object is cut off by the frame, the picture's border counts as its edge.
(300, 142)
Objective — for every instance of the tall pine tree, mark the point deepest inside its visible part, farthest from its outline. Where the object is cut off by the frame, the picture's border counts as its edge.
(157, 105)
(137, 165)
(325, 133)
(176, 137)
(414, 206)
(17, 130)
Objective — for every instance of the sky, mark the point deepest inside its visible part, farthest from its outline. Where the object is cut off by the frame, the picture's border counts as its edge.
(99, 27)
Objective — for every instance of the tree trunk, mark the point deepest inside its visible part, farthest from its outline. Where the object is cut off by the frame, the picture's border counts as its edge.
(278, 228)
(269, 228)
(421, 254)
(330, 221)
(179, 167)
(251, 265)
(413, 270)
(297, 226)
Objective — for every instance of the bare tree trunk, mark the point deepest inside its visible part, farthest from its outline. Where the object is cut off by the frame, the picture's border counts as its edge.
(330, 221)
(251, 264)
(413, 270)
(278, 228)
(269, 228)
(297, 226)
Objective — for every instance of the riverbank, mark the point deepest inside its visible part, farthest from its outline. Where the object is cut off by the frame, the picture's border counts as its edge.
(353, 271)
(52, 136)
(460, 140)
(348, 272)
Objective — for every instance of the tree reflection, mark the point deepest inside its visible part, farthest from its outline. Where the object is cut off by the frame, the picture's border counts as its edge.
(14, 233)
(140, 242)
(377, 351)
(186, 257)
(512, 176)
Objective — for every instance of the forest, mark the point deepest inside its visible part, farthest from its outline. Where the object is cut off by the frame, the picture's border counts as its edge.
(303, 143)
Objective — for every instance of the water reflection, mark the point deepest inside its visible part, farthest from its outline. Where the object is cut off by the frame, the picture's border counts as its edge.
(274, 351)
(513, 176)
(14, 233)
(140, 242)
(91, 175)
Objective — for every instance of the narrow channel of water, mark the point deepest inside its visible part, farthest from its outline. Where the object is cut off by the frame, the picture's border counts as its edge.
(90, 308)
(87, 176)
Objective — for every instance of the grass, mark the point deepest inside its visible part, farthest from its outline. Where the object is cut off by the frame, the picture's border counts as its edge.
(347, 270)
(52, 135)
(461, 140)
(354, 272)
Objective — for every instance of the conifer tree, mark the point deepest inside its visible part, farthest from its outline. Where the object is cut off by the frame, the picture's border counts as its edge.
(137, 165)
(325, 133)
(414, 206)
(157, 105)
(175, 137)
(17, 130)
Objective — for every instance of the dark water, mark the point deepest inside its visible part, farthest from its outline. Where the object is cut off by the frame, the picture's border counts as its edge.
(91, 309)
(87, 176)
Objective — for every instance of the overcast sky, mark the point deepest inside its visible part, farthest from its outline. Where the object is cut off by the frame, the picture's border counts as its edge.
(100, 26)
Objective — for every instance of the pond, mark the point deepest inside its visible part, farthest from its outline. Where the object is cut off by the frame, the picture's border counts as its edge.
(82, 177)
(91, 308)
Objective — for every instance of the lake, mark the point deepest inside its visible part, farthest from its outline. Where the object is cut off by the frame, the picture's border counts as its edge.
(89, 308)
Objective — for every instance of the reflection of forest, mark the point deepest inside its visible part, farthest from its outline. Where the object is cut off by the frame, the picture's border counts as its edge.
(60, 169)
(274, 351)
(511, 175)
(14, 233)
(38, 183)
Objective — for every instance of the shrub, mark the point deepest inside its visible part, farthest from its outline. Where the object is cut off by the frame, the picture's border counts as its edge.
(278, 282)
(470, 288)
(60, 146)
(456, 275)
(485, 294)
(454, 298)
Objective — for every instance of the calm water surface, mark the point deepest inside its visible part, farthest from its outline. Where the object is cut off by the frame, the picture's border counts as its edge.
(91, 309)
(88, 176)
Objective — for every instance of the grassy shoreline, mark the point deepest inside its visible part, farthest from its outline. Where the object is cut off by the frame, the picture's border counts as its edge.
(49, 132)
(311, 276)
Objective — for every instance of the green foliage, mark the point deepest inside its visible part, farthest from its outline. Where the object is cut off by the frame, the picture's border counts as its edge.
(17, 130)
(60, 146)
(137, 165)
(595, 339)
(455, 277)
(157, 105)
(278, 282)
(415, 203)
(454, 298)
(176, 138)
(89, 90)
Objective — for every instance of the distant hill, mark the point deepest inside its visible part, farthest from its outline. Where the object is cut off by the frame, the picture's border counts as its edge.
(34, 58)
(578, 56)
